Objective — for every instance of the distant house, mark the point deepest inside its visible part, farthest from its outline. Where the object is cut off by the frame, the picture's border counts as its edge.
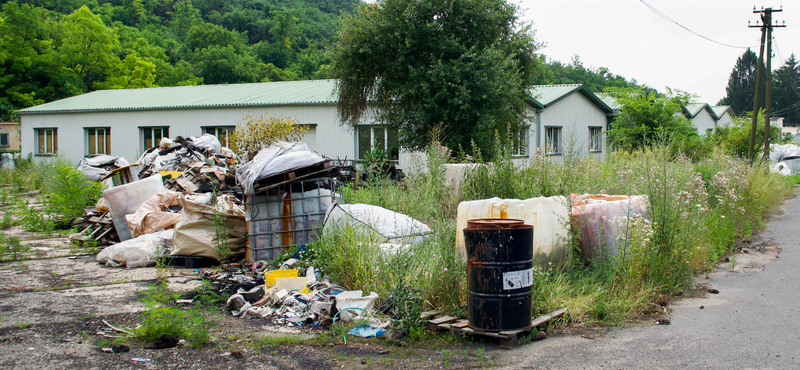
(724, 115)
(568, 117)
(702, 116)
(128, 122)
(9, 135)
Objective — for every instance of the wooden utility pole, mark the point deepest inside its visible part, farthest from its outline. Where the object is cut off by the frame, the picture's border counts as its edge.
(766, 38)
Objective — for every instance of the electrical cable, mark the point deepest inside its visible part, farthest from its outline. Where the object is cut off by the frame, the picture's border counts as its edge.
(667, 18)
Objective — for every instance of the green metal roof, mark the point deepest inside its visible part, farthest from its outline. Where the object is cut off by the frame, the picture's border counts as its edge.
(720, 110)
(543, 96)
(692, 110)
(610, 101)
(201, 96)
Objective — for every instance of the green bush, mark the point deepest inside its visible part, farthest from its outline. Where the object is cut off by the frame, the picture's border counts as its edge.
(69, 192)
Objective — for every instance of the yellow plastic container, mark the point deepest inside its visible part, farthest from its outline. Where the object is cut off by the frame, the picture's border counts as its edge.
(270, 276)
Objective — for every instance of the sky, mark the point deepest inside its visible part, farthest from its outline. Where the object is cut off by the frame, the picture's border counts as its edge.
(631, 40)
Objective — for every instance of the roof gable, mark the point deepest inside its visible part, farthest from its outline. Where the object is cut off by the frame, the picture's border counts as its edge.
(201, 96)
(543, 96)
(692, 110)
(720, 110)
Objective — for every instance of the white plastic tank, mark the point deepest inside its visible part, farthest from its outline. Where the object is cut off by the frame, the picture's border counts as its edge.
(599, 219)
(126, 199)
(548, 215)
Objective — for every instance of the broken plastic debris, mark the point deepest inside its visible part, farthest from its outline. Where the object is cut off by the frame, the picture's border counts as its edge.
(365, 331)
(140, 359)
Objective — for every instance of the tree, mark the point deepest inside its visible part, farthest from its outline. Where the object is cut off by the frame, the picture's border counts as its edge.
(461, 64)
(786, 92)
(646, 118)
(742, 84)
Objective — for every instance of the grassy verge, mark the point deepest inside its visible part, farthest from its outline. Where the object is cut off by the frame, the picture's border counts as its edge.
(697, 210)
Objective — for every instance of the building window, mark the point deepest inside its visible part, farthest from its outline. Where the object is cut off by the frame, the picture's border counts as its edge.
(151, 136)
(552, 140)
(4, 140)
(222, 133)
(378, 138)
(47, 140)
(595, 139)
(98, 141)
(519, 143)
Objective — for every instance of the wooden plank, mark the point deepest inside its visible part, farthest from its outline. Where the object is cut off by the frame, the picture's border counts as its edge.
(442, 320)
(544, 319)
(428, 314)
(187, 185)
(460, 324)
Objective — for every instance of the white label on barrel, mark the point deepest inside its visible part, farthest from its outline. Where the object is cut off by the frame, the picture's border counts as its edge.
(517, 279)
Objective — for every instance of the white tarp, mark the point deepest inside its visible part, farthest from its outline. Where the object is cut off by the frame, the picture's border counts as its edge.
(278, 157)
(91, 166)
(208, 142)
(138, 252)
(779, 152)
(390, 225)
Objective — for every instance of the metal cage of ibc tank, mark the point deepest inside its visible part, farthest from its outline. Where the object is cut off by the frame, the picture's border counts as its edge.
(287, 215)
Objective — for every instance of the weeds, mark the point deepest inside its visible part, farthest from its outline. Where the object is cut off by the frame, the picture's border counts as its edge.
(696, 212)
(162, 317)
(11, 249)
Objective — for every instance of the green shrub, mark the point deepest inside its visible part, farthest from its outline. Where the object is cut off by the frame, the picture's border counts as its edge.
(69, 192)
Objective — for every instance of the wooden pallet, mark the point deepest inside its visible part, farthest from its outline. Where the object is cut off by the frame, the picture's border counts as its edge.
(507, 338)
(103, 230)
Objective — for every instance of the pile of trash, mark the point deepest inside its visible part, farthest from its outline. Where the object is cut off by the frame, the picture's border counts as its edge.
(785, 159)
(293, 296)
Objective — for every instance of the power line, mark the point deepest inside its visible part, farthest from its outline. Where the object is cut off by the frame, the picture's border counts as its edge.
(667, 18)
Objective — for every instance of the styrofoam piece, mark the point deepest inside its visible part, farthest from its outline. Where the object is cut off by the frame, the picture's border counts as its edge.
(126, 199)
(290, 284)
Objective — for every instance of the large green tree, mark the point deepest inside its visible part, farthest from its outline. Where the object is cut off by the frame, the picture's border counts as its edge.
(742, 84)
(647, 118)
(786, 92)
(463, 65)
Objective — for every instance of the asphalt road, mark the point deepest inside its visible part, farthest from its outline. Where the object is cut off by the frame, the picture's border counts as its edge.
(753, 323)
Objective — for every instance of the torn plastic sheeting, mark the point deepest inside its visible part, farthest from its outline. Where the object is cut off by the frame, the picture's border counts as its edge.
(392, 226)
(152, 215)
(548, 216)
(779, 152)
(595, 216)
(787, 166)
(91, 166)
(366, 331)
(138, 252)
(277, 158)
(194, 233)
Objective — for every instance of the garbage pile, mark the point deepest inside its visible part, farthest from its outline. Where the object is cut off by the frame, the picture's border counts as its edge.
(179, 154)
(785, 158)
(292, 297)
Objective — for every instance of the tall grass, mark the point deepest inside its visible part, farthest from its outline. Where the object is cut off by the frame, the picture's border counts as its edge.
(697, 210)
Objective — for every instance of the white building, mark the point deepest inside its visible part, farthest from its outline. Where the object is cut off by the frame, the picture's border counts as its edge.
(724, 115)
(128, 122)
(702, 116)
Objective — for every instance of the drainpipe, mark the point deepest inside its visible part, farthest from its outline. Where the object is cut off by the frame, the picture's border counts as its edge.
(538, 129)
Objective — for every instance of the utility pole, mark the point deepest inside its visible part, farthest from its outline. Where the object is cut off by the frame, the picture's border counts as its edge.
(766, 38)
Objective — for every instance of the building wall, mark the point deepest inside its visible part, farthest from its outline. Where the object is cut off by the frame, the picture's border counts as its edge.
(725, 120)
(329, 137)
(704, 121)
(12, 129)
(574, 114)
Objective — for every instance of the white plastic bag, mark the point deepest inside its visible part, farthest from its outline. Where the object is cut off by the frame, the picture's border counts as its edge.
(390, 225)
(139, 252)
(207, 142)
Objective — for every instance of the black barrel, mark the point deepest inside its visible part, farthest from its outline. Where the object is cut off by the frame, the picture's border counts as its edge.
(499, 274)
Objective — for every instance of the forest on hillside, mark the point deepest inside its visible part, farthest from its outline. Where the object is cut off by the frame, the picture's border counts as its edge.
(54, 49)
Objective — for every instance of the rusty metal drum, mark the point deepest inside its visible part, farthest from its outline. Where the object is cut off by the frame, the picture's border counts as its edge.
(499, 274)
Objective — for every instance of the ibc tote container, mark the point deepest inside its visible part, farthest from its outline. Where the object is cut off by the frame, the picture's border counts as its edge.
(548, 216)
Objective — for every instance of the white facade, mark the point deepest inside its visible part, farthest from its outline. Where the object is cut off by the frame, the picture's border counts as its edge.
(704, 122)
(573, 117)
(325, 136)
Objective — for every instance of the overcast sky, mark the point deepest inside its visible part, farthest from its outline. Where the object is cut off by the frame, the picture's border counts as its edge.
(629, 39)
